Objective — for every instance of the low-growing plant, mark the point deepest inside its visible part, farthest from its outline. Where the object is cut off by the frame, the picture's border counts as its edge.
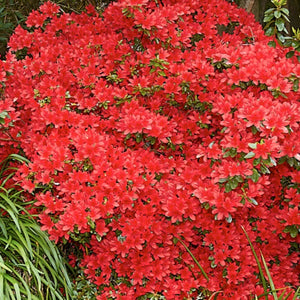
(31, 267)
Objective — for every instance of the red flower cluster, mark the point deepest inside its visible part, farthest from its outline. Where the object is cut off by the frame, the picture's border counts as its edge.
(156, 122)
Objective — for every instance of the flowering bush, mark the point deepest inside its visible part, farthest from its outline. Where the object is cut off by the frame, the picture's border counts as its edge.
(157, 128)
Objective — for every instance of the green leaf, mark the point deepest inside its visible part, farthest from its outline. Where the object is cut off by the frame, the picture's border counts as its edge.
(252, 200)
(269, 11)
(228, 187)
(252, 145)
(138, 137)
(270, 31)
(193, 257)
(17, 291)
(3, 266)
(273, 161)
(239, 178)
(3, 228)
(277, 14)
(10, 210)
(295, 44)
(290, 54)
(268, 18)
(292, 230)
(281, 38)
(291, 161)
(286, 18)
(272, 44)
(297, 293)
(280, 24)
(19, 158)
(249, 155)
(33, 268)
(285, 11)
(222, 180)
(296, 85)
(255, 176)
(258, 264)
(273, 291)
(283, 293)
(229, 218)
(175, 240)
(161, 73)
(232, 152)
(233, 183)
(264, 169)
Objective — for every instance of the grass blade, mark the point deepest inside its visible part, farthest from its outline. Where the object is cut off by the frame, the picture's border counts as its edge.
(3, 228)
(282, 295)
(17, 291)
(31, 266)
(264, 283)
(18, 158)
(214, 295)
(193, 257)
(297, 293)
(273, 290)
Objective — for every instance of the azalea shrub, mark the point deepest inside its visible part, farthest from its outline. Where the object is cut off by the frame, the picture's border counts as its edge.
(158, 131)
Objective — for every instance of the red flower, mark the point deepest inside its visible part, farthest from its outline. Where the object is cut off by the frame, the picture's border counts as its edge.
(101, 229)
(49, 8)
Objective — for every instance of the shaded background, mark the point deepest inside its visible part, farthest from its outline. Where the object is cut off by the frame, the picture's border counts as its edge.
(258, 7)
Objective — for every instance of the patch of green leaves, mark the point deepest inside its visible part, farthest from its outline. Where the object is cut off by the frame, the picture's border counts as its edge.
(293, 230)
(275, 20)
(31, 266)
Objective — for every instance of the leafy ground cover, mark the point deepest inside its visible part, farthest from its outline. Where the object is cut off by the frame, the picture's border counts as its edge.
(31, 267)
(157, 132)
